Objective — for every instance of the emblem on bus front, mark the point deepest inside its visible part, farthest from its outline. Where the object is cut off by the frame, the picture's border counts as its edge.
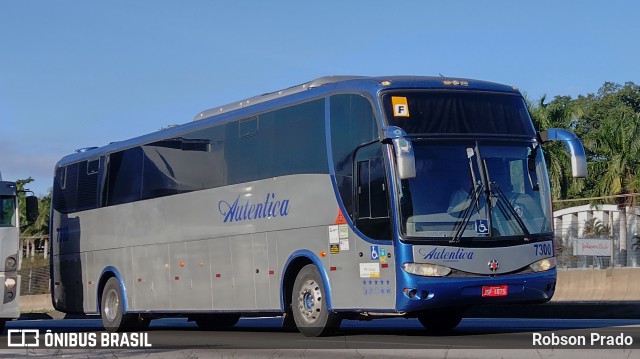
(493, 265)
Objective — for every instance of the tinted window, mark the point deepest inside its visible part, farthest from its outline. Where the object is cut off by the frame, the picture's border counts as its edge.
(282, 142)
(372, 194)
(458, 112)
(178, 165)
(278, 143)
(352, 124)
(87, 195)
(124, 176)
(65, 187)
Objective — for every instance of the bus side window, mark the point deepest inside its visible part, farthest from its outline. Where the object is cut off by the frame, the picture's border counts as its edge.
(372, 199)
(124, 176)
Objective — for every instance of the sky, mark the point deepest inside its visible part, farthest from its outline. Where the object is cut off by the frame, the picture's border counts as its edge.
(77, 74)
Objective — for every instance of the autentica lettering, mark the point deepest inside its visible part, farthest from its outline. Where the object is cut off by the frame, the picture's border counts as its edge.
(446, 254)
(238, 210)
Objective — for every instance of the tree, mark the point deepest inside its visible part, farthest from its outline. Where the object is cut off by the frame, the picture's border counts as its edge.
(559, 113)
(41, 224)
(611, 119)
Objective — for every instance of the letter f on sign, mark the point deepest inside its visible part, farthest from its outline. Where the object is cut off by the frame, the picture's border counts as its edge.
(400, 106)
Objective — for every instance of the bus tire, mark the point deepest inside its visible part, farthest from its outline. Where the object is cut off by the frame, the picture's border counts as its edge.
(112, 309)
(309, 305)
(441, 320)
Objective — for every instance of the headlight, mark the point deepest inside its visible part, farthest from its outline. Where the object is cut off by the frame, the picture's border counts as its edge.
(544, 264)
(10, 262)
(427, 270)
(9, 283)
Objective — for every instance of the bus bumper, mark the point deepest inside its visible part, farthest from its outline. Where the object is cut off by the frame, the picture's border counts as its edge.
(9, 307)
(422, 293)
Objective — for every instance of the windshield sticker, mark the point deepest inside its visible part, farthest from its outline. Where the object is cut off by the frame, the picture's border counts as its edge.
(400, 106)
(519, 211)
(383, 255)
(482, 227)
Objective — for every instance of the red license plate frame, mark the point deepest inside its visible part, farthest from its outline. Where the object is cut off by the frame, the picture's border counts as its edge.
(498, 290)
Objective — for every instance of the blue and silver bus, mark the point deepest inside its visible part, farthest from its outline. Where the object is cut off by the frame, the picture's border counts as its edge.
(344, 197)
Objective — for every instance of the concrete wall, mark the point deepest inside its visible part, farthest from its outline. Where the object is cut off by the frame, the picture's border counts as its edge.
(595, 285)
(39, 303)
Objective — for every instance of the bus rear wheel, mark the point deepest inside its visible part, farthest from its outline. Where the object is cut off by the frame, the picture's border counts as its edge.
(112, 309)
(309, 306)
(441, 320)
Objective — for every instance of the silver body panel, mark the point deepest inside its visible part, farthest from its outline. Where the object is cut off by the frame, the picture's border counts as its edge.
(177, 253)
(9, 246)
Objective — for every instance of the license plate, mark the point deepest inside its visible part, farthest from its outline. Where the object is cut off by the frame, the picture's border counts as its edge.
(494, 290)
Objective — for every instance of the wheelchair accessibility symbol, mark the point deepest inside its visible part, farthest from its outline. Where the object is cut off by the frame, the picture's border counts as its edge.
(374, 253)
(482, 227)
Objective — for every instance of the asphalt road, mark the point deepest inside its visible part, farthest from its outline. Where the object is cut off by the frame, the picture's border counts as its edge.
(264, 337)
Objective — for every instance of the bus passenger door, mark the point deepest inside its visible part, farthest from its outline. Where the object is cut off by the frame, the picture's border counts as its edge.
(371, 275)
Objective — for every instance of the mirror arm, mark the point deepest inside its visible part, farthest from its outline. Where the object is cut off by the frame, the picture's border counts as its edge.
(573, 145)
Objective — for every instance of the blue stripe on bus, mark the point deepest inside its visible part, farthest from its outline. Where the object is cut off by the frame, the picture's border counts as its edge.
(305, 253)
(123, 290)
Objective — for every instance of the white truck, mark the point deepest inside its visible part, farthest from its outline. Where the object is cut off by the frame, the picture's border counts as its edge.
(10, 246)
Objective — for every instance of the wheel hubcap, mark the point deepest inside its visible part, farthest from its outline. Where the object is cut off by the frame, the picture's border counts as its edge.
(310, 301)
(111, 305)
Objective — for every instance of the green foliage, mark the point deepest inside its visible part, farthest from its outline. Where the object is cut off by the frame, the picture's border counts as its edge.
(560, 112)
(608, 123)
(41, 224)
(612, 117)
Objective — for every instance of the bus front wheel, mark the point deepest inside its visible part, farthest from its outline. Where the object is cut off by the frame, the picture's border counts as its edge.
(309, 305)
(441, 320)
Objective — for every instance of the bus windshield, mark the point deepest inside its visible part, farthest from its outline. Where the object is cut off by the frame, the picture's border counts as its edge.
(455, 112)
(472, 189)
(7, 211)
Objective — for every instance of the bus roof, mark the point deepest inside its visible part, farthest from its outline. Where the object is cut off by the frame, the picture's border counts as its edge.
(7, 188)
(315, 88)
(362, 83)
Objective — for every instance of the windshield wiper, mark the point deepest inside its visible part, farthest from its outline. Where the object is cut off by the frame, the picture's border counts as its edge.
(466, 214)
(474, 195)
(509, 209)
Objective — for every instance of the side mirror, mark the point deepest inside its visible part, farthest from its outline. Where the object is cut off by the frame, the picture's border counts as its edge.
(573, 145)
(405, 159)
(31, 208)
